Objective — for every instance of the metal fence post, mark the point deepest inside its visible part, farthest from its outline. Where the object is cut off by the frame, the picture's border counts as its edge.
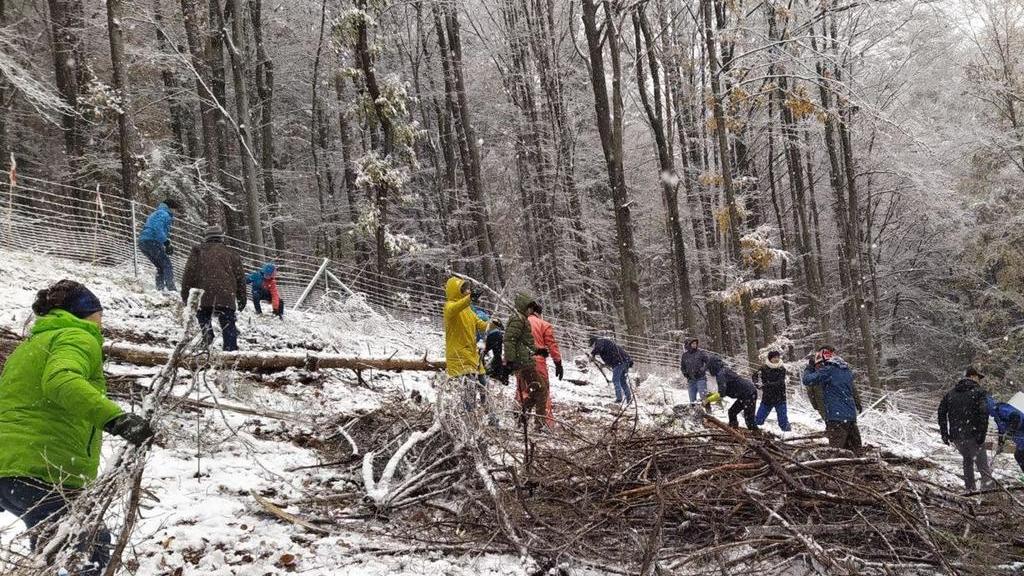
(135, 245)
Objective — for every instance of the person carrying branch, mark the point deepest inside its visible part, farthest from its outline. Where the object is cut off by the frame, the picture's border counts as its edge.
(619, 361)
(155, 243)
(264, 289)
(547, 347)
(732, 385)
(772, 378)
(462, 359)
(963, 420)
(217, 270)
(520, 357)
(53, 413)
(839, 396)
(1009, 422)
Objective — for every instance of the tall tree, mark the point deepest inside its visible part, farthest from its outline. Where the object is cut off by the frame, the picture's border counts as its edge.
(115, 13)
(610, 114)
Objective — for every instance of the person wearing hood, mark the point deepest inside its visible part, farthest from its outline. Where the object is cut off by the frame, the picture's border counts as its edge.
(619, 361)
(155, 243)
(520, 357)
(963, 420)
(840, 398)
(53, 413)
(264, 289)
(217, 270)
(547, 347)
(772, 378)
(1009, 421)
(694, 364)
(732, 385)
(462, 359)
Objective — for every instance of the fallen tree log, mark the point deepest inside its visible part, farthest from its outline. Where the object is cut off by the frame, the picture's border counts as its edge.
(255, 360)
(263, 360)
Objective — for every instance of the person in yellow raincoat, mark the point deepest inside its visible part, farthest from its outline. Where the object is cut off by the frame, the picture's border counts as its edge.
(461, 325)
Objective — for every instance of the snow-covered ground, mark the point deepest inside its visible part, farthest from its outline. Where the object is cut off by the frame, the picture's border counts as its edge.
(202, 517)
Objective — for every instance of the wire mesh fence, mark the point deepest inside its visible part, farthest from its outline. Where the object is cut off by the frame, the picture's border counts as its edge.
(58, 219)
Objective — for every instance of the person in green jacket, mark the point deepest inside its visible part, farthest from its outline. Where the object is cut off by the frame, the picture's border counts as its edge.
(53, 411)
(520, 352)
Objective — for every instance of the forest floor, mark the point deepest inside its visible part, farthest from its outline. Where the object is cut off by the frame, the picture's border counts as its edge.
(201, 514)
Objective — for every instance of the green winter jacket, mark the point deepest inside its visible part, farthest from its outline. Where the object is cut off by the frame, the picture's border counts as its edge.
(53, 403)
(519, 345)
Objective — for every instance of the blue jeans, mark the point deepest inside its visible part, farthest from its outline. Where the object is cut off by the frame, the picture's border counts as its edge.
(157, 254)
(619, 380)
(35, 502)
(260, 295)
(780, 410)
(226, 316)
(698, 389)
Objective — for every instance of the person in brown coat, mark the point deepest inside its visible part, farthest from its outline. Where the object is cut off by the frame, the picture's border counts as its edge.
(217, 270)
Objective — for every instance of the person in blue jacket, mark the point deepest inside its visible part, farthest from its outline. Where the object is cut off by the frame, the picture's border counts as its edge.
(1010, 422)
(842, 402)
(155, 243)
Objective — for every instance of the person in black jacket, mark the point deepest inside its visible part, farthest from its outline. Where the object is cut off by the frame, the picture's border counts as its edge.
(493, 342)
(963, 419)
(772, 377)
(619, 361)
(732, 385)
(694, 364)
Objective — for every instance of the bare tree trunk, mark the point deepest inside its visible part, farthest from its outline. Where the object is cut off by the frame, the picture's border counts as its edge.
(71, 71)
(362, 251)
(207, 109)
(446, 22)
(609, 125)
(315, 139)
(657, 105)
(186, 142)
(265, 90)
(115, 13)
(721, 132)
(5, 151)
(247, 153)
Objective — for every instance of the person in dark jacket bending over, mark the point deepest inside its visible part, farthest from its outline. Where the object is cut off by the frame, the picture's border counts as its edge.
(772, 377)
(732, 385)
(963, 419)
(264, 288)
(155, 243)
(839, 395)
(1009, 421)
(493, 343)
(53, 413)
(217, 270)
(694, 364)
(619, 361)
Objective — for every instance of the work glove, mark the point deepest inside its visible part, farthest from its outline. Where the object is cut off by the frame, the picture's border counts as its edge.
(559, 372)
(167, 248)
(543, 352)
(132, 427)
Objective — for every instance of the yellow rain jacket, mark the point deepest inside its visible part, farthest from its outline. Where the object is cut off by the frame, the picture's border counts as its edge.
(461, 325)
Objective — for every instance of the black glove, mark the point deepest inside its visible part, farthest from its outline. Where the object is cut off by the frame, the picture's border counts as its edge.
(559, 372)
(241, 303)
(810, 365)
(167, 248)
(945, 440)
(131, 427)
(630, 362)
(543, 352)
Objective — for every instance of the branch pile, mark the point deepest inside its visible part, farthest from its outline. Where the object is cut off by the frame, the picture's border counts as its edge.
(625, 498)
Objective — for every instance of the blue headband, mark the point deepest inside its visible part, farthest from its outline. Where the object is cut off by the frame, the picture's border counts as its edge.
(82, 303)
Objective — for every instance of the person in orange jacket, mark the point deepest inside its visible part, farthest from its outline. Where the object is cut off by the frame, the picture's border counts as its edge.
(547, 347)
